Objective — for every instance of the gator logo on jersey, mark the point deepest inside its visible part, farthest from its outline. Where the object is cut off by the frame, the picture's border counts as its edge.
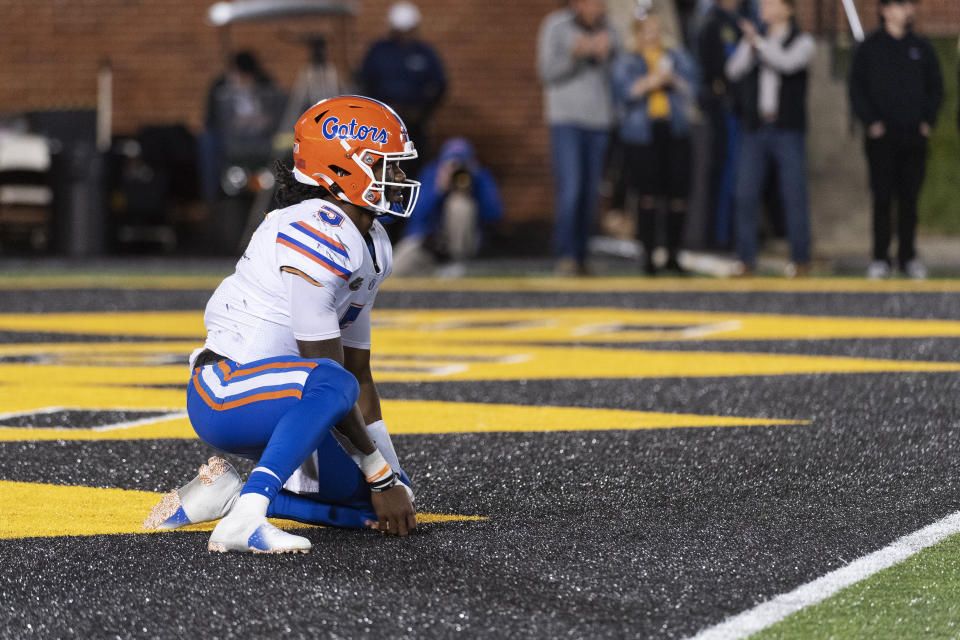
(332, 128)
(355, 285)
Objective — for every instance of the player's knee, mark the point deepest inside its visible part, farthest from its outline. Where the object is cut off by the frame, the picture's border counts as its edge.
(330, 376)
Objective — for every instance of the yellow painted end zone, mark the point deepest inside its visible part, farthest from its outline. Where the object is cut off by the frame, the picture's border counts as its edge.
(43, 510)
(421, 417)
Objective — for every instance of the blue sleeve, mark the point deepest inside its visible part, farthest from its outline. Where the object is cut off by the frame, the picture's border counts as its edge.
(437, 71)
(686, 68)
(620, 82)
(624, 75)
(367, 76)
(488, 197)
(434, 83)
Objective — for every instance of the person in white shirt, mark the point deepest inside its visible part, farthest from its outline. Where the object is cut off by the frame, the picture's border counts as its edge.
(284, 376)
(772, 71)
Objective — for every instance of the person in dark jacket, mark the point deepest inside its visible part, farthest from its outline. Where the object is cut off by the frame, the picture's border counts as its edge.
(716, 42)
(896, 91)
(405, 72)
(771, 70)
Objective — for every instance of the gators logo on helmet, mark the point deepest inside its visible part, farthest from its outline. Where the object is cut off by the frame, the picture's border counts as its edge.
(350, 145)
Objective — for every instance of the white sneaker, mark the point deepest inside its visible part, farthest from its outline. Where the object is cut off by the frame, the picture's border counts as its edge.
(239, 533)
(878, 270)
(209, 496)
(916, 270)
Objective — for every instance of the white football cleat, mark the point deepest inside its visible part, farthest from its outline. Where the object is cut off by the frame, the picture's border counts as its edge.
(209, 496)
(240, 533)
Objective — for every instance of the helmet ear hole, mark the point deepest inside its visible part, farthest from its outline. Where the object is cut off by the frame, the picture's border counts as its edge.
(339, 171)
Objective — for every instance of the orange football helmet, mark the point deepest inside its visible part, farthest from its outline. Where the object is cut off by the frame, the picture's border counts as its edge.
(345, 144)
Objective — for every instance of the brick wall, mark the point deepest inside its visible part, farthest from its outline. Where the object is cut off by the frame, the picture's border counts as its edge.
(934, 17)
(164, 57)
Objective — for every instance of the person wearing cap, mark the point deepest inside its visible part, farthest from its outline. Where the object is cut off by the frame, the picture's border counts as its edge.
(896, 91)
(458, 201)
(575, 48)
(406, 73)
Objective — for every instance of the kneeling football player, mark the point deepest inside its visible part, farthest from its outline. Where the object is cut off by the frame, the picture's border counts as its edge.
(284, 375)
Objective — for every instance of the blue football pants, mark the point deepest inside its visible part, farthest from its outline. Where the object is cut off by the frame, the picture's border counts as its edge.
(278, 411)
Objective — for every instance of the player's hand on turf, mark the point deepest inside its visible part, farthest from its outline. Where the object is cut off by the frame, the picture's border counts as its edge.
(395, 514)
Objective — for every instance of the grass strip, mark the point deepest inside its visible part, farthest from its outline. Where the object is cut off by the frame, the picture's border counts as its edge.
(918, 598)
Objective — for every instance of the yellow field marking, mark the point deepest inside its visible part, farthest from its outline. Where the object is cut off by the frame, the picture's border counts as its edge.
(615, 325)
(426, 417)
(169, 324)
(421, 417)
(44, 510)
(162, 428)
(537, 284)
(639, 284)
(539, 363)
(30, 397)
(25, 387)
(428, 327)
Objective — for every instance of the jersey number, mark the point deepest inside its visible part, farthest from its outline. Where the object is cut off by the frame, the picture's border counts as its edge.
(350, 315)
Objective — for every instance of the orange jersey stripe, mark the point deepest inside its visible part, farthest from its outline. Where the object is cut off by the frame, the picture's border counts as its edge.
(312, 257)
(379, 474)
(324, 236)
(227, 374)
(271, 395)
(203, 394)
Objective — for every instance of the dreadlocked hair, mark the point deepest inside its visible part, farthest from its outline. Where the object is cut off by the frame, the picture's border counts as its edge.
(290, 191)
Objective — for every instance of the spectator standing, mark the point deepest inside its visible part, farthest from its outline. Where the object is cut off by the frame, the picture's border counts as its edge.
(575, 48)
(458, 200)
(717, 41)
(772, 70)
(244, 108)
(406, 73)
(242, 114)
(896, 91)
(653, 89)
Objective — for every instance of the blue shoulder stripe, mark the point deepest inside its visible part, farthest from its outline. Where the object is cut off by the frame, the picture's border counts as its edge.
(322, 238)
(313, 254)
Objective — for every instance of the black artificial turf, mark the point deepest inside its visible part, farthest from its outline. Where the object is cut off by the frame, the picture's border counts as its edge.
(645, 533)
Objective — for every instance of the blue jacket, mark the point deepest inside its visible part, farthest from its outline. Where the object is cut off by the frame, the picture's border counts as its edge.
(426, 217)
(635, 125)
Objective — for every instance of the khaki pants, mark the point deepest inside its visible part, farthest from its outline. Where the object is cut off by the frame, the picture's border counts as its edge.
(459, 237)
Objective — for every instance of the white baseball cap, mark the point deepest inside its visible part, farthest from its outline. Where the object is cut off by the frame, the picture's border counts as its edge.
(403, 16)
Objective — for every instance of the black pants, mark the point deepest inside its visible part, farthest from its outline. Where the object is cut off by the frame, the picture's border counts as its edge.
(660, 169)
(898, 163)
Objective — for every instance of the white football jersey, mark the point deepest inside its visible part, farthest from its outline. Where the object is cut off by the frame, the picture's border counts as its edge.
(249, 315)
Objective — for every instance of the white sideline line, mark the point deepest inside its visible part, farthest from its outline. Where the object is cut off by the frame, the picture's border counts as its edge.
(767, 613)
